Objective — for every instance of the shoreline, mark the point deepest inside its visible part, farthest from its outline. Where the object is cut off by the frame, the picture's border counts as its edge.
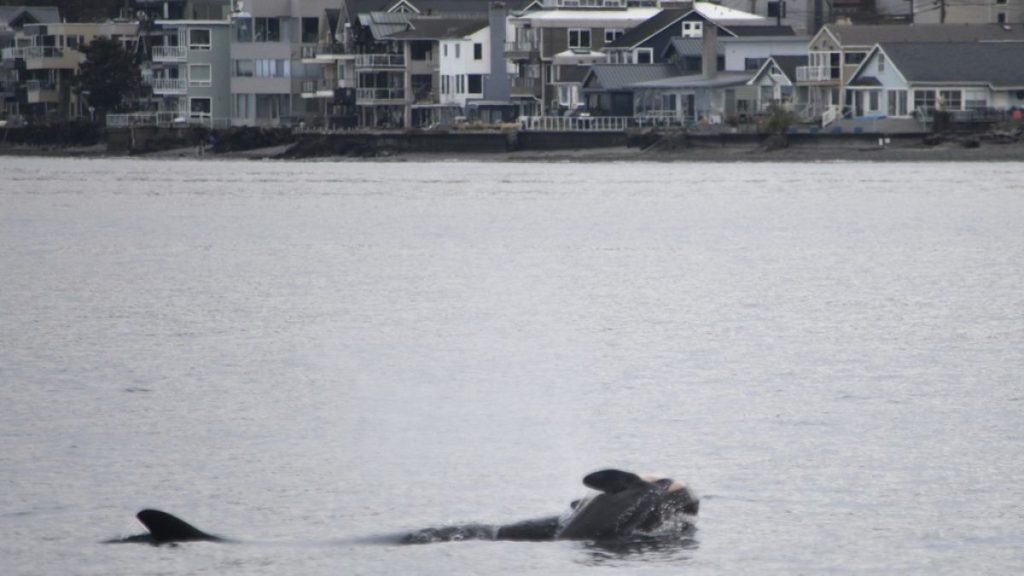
(948, 151)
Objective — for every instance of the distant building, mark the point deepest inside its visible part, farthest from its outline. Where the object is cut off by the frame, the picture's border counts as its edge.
(12, 20)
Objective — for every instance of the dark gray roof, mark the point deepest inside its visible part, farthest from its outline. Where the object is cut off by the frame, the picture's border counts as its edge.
(431, 28)
(869, 35)
(31, 14)
(721, 80)
(457, 6)
(690, 46)
(788, 64)
(644, 30)
(995, 63)
(615, 76)
(571, 73)
(745, 29)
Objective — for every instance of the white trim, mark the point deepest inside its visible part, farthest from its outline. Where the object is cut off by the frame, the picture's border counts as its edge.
(203, 47)
(638, 51)
(200, 83)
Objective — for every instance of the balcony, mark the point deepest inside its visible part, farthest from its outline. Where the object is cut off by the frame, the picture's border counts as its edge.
(524, 86)
(324, 53)
(170, 53)
(522, 50)
(816, 74)
(317, 89)
(380, 96)
(370, 61)
(169, 86)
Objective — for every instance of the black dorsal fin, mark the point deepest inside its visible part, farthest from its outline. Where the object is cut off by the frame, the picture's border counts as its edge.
(166, 527)
(612, 481)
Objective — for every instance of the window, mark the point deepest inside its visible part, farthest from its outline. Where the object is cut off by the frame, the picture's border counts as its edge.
(243, 29)
(268, 30)
(1001, 18)
(579, 38)
(873, 101)
(199, 107)
(199, 39)
(199, 75)
(897, 102)
(475, 84)
(478, 51)
(976, 99)
(924, 100)
(445, 50)
(242, 105)
(693, 29)
(612, 34)
(881, 62)
(245, 68)
(776, 9)
(644, 55)
(310, 30)
(854, 58)
(950, 99)
(458, 51)
(273, 68)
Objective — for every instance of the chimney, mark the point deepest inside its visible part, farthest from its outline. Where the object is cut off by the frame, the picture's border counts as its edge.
(709, 50)
(496, 88)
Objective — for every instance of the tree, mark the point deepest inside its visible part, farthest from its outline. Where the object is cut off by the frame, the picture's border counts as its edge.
(109, 77)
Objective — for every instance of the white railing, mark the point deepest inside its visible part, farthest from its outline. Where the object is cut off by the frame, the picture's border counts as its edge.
(522, 46)
(813, 73)
(591, 123)
(170, 53)
(311, 87)
(33, 52)
(830, 115)
(379, 94)
(164, 119)
(169, 85)
(380, 61)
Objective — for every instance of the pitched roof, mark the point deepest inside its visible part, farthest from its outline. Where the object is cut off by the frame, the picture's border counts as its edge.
(690, 46)
(869, 35)
(30, 14)
(721, 80)
(431, 28)
(745, 29)
(789, 64)
(649, 27)
(447, 7)
(995, 63)
(616, 76)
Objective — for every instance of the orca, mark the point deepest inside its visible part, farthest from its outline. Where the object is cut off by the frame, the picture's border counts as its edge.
(166, 528)
(627, 507)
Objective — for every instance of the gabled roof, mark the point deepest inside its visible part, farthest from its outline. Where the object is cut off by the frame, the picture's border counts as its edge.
(603, 77)
(689, 47)
(449, 7)
(725, 18)
(641, 32)
(869, 35)
(786, 64)
(14, 16)
(383, 24)
(430, 28)
(991, 63)
(746, 29)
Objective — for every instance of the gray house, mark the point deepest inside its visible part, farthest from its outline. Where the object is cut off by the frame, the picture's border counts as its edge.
(190, 75)
(607, 87)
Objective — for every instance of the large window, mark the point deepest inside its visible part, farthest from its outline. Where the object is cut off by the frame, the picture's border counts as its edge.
(199, 39)
(310, 30)
(475, 83)
(478, 51)
(245, 68)
(579, 38)
(950, 99)
(243, 29)
(975, 99)
(924, 100)
(268, 30)
(612, 34)
(273, 68)
(776, 9)
(199, 107)
(897, 102)
(199, 75)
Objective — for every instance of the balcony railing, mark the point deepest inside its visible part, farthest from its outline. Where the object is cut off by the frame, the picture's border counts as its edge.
(814, 74)
(591, 123)
(380, 61)
(38, 85)
(170, 53)
(375, 95)
(164, 119)
(33, 52)
(522, 48)
(319, 87)
(521, 86)
(169, 85)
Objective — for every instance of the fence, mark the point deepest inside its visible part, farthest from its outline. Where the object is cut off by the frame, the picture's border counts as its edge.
(592, 123)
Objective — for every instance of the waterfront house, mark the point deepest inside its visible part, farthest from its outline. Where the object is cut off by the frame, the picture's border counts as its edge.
(12, 20)
(190, 75)
(47, 56)
(836, 51)
(968, 80)
(608, 90)
(775, 82)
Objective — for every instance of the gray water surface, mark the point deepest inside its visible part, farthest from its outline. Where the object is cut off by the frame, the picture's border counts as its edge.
(313, 357)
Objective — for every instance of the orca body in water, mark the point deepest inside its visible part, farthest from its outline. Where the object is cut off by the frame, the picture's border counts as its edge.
(627, 507)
